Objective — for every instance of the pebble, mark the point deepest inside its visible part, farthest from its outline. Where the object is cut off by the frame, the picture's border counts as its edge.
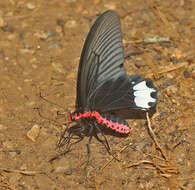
(70, 1)
(70, 24)
(62, 166)
(44, 35)
(30, 5)
(8, 144)
(63, 169)
(8, 28)
(171, 90)
(2, 127)
(12, 154)
(30, 103)
(49, 35)
(59, 29)
(186, 74)
(58, 67)
(33, 133)
(26, 51)
(54, 45)
(23, 167)
(11, 37)
(96, 2)
(2, 22)
(60, 22)
(110, 5)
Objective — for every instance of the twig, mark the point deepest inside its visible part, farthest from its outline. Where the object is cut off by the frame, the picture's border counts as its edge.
(183, 64)
(30, 173)
(96, 185)
(107, 163)
(164, 169)
(154, 137)
(145, 162)
(155, 156)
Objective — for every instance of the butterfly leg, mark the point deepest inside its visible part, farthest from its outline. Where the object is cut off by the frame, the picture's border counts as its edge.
(105, 141)
(89, 141)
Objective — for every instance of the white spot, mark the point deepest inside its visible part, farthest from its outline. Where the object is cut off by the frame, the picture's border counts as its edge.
(133, 82)
(143, 95)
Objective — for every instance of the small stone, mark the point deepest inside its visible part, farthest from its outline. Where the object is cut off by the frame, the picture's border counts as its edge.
(2, 22)
(12, 154)
(58, 67)
(62, 169)
(8, 145)
(96, 2)
(182, 3)
(70, 24)
(26, 80)
(11, 37)
(85, 12)
(30, 103)
(2, 127)
(26, 51)
(34, 66)
(8, 28)
(49, 35)
(33, 133)
(55, 45)
(59, 29)
(171, 90)
(30, 5)
(110, 5)
(186, 74)
(70, 1)
(170, 76)
(44, 35)
(60, 22)
(33, 60)
(62, 166)
(23, 167)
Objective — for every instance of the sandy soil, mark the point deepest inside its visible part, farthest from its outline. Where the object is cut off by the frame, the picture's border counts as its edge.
(40, 46)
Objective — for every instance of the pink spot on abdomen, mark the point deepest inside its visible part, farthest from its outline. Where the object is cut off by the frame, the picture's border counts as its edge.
(115, 123)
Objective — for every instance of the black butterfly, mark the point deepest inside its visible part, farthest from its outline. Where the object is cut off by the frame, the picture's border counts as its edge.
(102, 83)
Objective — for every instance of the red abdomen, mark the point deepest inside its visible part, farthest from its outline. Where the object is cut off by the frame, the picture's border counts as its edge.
(108, 120)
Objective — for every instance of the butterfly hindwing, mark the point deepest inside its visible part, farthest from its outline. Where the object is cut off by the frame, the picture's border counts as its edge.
(126, 91)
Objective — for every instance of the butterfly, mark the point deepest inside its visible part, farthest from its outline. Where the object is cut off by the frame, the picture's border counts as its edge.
(102, 82)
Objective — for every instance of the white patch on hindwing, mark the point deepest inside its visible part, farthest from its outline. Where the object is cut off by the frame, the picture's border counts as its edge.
(142, 95)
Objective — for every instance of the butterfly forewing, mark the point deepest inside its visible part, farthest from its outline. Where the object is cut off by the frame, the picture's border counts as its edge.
(101, 59)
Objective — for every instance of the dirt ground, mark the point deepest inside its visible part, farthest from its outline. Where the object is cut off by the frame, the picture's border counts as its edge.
(40, 46)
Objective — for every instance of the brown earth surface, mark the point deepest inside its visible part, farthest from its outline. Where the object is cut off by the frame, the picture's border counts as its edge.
(40, 46)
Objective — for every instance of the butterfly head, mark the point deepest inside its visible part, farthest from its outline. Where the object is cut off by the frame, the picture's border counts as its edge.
(71, 117)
